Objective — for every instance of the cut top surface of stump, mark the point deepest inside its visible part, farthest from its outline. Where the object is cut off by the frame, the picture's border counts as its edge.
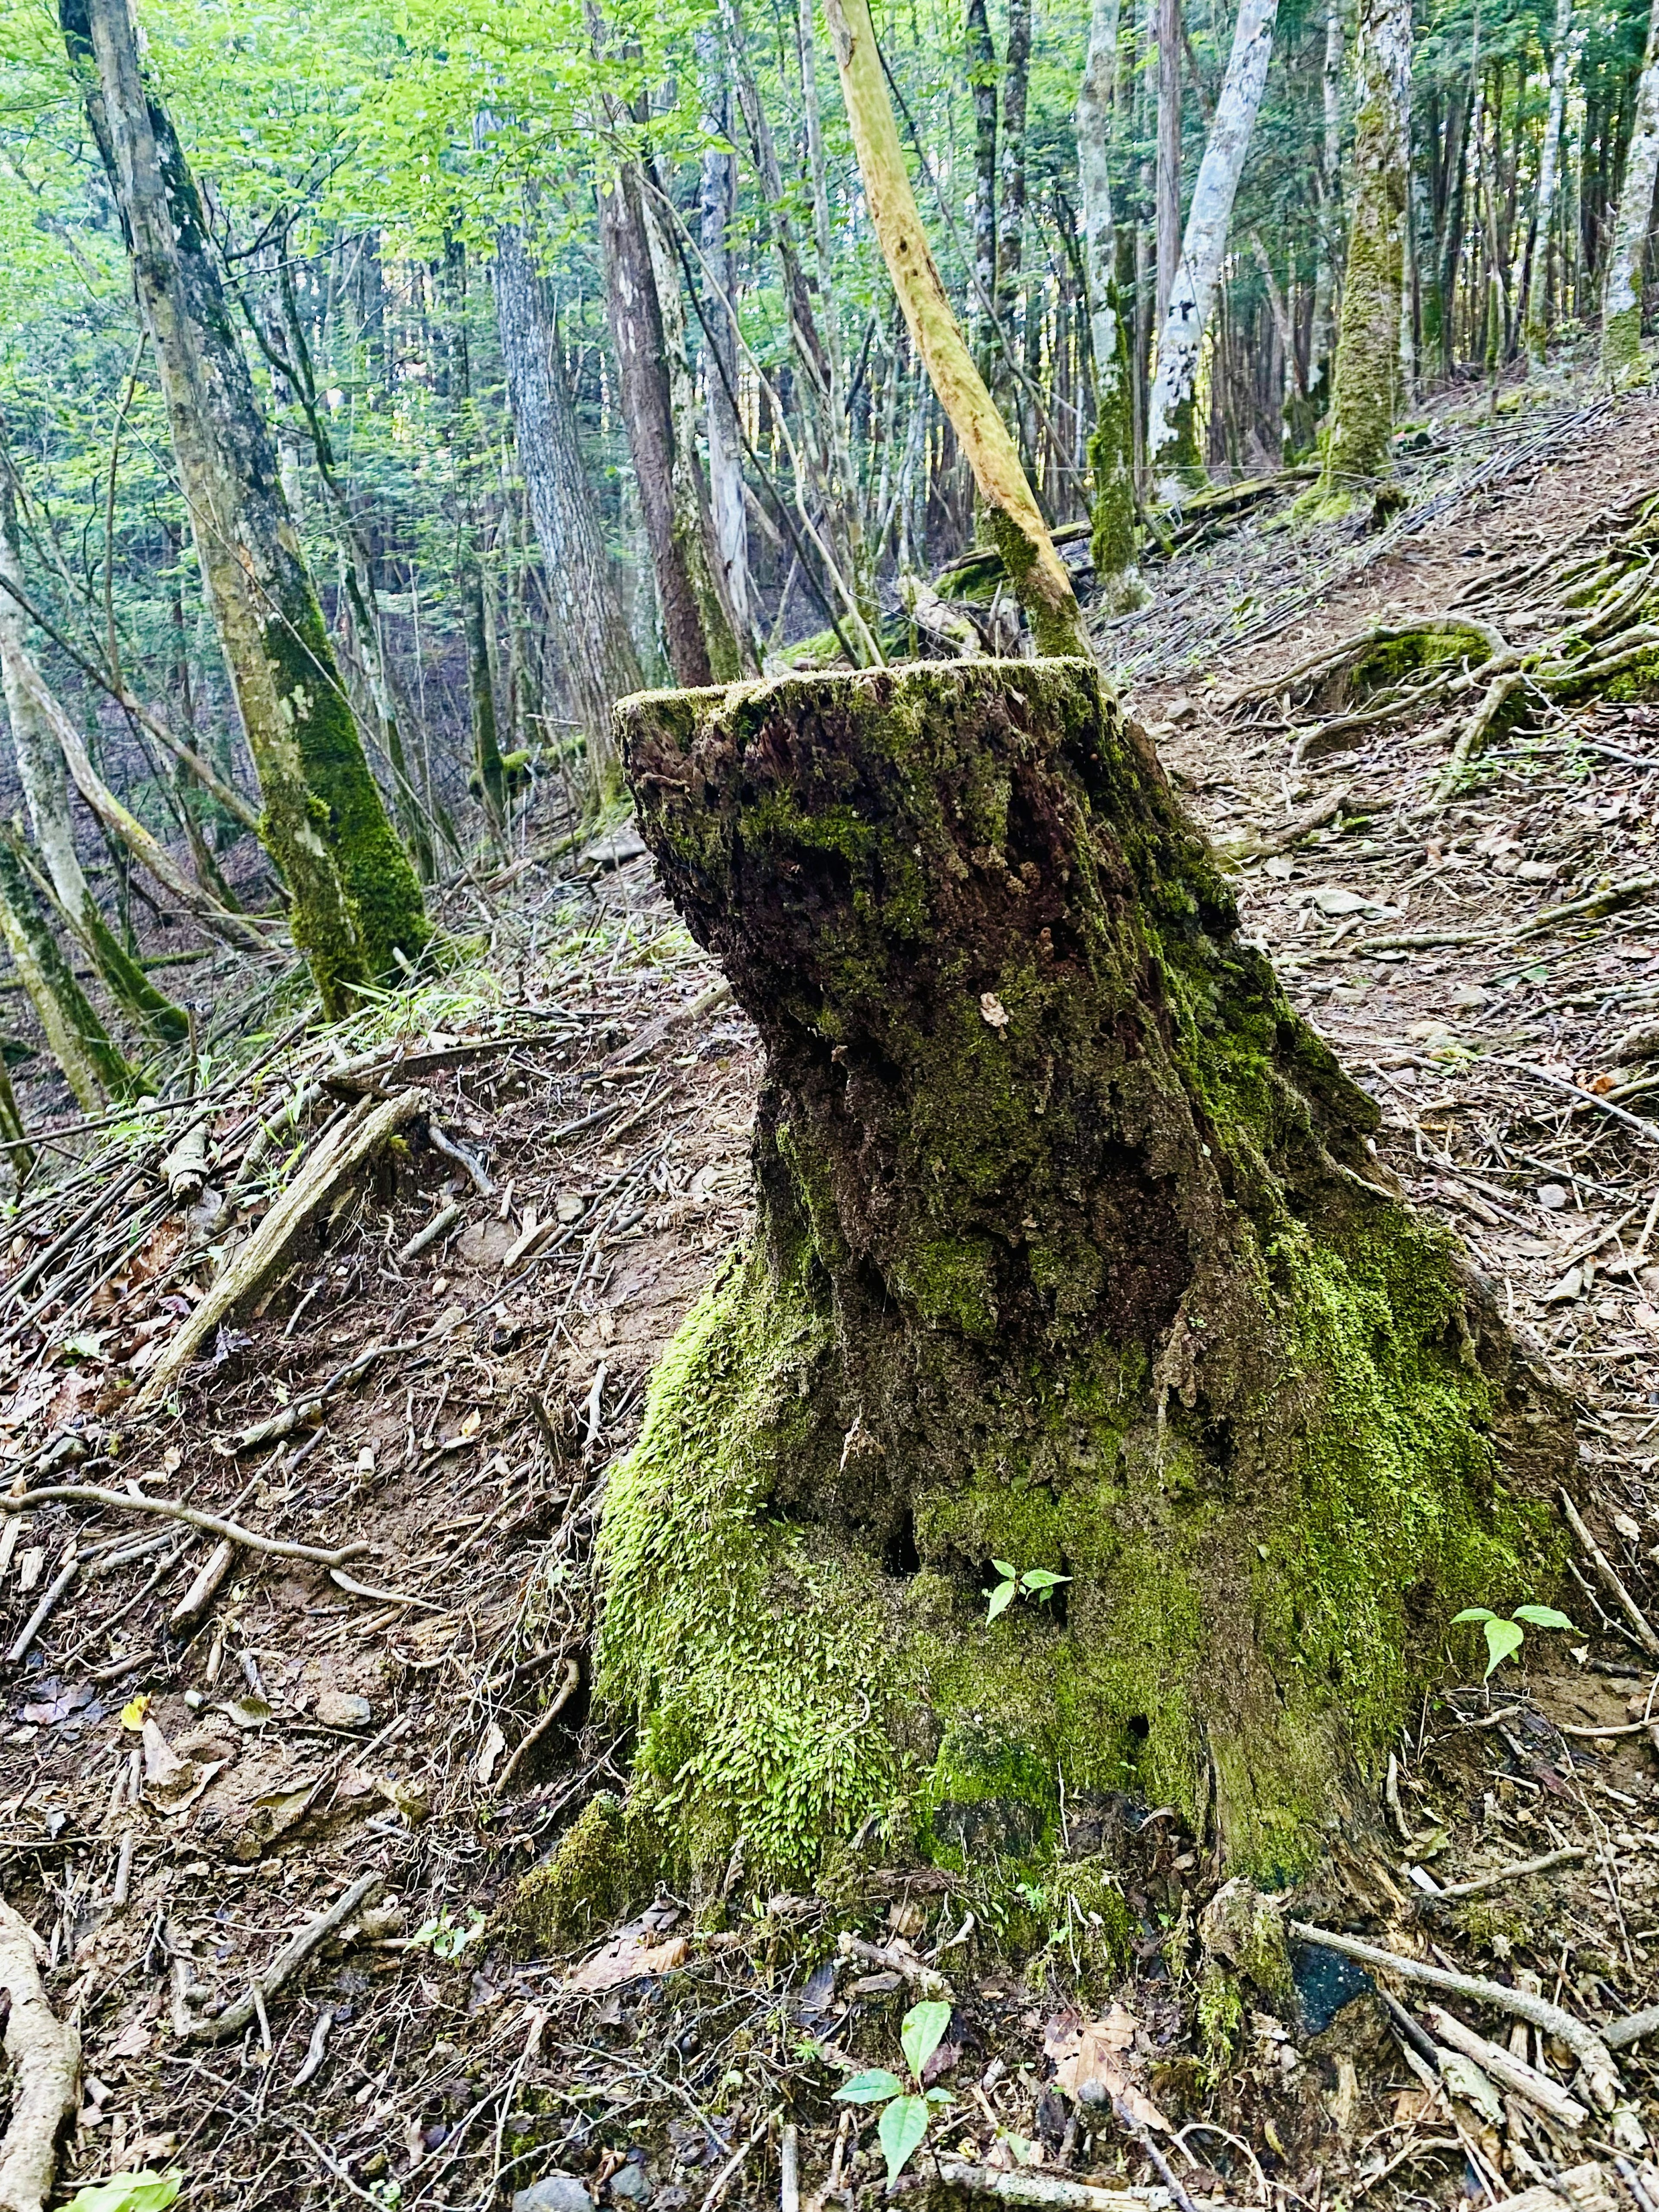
(1073, 1254)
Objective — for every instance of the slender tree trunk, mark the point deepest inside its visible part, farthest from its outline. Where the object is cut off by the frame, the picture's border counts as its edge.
(717, 204)
(842, 473)
(1621, 294)
(1329, 228)
(597, 651)
(982, 83)
(1172, 435)
(1011, 213)
(1368, 347)
(1015, 521)
(633, 312)
(46, 792)
(1111, 449)
(1167, 220)
(487, 778)
(354, 900)
(694, 527)
(93, 1067)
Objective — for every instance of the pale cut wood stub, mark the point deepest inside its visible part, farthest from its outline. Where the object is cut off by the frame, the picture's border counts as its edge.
(45, 2053)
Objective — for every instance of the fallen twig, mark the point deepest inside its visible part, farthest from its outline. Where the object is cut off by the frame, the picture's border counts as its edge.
(1502, 1874)
(337, 1157)
(122, 1501)
(384, 1596)
(46, 2060)
(1505, 2067)
(895, 1960)
(1603, 1566)
(1601, 2074)
(286, 1963)
(1632, 2028)
(43, 1612)
(1048, 2192)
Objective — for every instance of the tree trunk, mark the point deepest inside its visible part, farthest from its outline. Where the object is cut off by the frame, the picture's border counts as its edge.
(1010, 212)
(1111, 448)
(1621, 293)
(717, 203)
(1015, 521)
(982, 82)
(633, 312)
(593, 643)
(93, 1066)
(1368, 345)
(1167, 219)
(694, 529)
(1318, 397)
(46, 792)
(1172, 451)
(354, 898)
(1072, 1252)
(488, 778)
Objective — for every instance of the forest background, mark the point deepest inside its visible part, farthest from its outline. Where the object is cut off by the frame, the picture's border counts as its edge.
(584, 372)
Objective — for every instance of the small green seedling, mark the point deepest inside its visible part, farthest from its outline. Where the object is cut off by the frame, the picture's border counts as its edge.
(1505, 1637)
(1037, 1582)
(446, 1935)
(902, 2127)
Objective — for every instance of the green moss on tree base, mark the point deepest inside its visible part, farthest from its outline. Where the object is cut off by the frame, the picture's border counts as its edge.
(1071, 1253)
(599, 1872)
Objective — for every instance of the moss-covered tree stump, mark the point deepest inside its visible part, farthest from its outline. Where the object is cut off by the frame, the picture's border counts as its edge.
(1072, 1252)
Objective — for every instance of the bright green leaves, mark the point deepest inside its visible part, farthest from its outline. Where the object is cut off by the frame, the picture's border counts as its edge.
(900, 2130)
(902, 2127)
(1038, 1582)
(922, 2033)
(870, 2087)
(128, 2192)
(1505, 1637)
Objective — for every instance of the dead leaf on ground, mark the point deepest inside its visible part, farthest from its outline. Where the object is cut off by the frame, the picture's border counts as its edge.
(1099, 2051)
(625, 1959)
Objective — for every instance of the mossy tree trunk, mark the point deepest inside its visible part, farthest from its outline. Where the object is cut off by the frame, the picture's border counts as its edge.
(45, 791)
(1367, 374)
(354, 898)
(1072, 1252)
(1013, 517)
(92, 1064)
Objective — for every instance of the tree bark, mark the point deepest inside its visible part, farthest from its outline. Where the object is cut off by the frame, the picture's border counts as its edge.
(982, 83)
(1318, 395)
(1011, 211)
(92, 1065)
(633, 313)
(1167, 217)
(694, 527)
(1015, 521)
(1549, 179)
(354, 898)
(1368, 344)
(1111, 447)
(46, 792)
(1621, 292)
(717, 202)
(593, 641)
(1172, 451)
(489, 777)
(1072, 1252)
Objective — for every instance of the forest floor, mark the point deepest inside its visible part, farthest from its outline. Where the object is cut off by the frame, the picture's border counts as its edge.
(184, 1788)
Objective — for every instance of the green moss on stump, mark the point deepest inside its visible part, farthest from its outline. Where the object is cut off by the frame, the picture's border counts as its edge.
(595, 1877)
(1071, 1253)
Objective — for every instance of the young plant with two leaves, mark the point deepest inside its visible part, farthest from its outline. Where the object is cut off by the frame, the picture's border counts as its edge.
(906, 2106)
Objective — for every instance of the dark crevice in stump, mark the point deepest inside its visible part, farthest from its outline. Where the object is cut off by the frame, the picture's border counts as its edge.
(1072, 1252)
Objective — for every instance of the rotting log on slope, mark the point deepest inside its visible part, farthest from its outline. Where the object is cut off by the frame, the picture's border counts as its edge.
(1072, 1252)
